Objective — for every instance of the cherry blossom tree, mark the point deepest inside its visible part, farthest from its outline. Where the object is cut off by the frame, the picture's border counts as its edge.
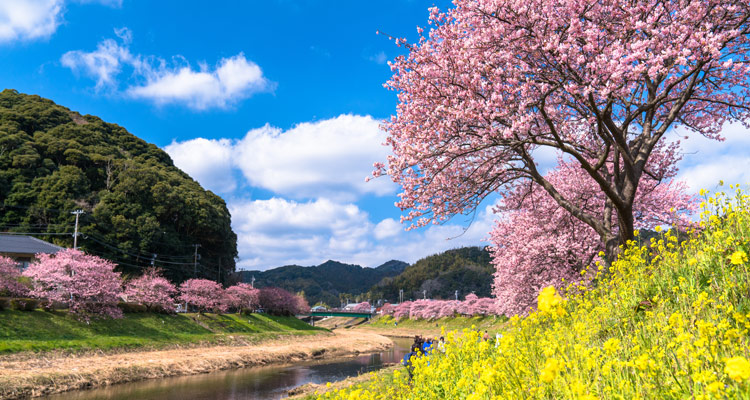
(203, 294)
(278, 301)
(242, 296)
(402, 310)
(89, 284)
(9, 278)
(387, 309)
(152, 290)
(537, 243)
(601, 83)
(362, 307)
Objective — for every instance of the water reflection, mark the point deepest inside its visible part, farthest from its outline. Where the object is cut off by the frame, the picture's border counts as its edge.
(251, 383)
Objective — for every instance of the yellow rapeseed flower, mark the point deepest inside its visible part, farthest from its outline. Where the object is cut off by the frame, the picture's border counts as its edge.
(738, 257)
(552, 367)
(738, 368)
(549, 302)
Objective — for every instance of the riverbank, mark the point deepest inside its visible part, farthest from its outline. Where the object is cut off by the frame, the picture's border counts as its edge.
(40, 331)
(311, 391)
(22, 377)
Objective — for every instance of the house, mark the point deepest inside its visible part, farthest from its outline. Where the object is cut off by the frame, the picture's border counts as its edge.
(318, 308)
(24, 249)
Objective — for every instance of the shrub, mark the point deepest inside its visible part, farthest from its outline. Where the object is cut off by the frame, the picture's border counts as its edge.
(132, 308)
(24, 304)
(4, 303)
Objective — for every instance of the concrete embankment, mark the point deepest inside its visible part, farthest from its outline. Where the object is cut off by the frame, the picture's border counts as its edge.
(32, 376)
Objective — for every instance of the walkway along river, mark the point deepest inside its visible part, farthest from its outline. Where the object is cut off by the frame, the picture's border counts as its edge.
(249, 383)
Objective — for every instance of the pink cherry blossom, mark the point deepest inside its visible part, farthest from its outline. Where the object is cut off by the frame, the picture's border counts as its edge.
(278, 301)
(537, 243)
(203, 294)
(362, 307)
(9, 278)
(152, 290)
(242, 296)
(602, 83)
(87, 283)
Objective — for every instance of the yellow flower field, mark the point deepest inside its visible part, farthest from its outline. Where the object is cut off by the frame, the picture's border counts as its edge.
(668, 320)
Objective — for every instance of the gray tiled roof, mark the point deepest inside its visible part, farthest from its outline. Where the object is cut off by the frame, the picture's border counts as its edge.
(26, 245)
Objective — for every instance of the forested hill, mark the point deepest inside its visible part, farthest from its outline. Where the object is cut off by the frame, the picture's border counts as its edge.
(138, 206)
(466, 269)
(327, 282)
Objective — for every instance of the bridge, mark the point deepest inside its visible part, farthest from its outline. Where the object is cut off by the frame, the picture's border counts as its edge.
(313, 314)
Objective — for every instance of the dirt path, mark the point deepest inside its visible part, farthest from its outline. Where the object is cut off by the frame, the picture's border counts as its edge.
(40, 376)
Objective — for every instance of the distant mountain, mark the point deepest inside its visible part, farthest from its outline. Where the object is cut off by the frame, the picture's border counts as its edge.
(326, 282)
(466, 270)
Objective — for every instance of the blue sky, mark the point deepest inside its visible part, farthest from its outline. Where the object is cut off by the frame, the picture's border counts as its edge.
(274, 105)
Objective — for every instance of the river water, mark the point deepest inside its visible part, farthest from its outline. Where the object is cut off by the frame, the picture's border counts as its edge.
(262, 383)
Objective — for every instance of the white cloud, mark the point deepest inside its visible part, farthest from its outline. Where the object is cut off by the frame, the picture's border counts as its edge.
(102, 64)
(277, 231)
(36, 19)
(387, 228)
(29, 19)
(707, 161)
(329, 158)
(326, 158)
(207, 161)
(232, 80)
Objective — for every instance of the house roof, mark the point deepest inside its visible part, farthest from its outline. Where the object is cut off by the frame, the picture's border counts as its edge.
(26, 245)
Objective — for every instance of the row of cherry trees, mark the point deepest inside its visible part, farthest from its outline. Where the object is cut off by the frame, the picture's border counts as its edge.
(433, 309)
(89, 285)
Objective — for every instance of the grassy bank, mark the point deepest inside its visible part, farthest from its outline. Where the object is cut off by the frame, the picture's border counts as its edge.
(44, 331)
(668, 321)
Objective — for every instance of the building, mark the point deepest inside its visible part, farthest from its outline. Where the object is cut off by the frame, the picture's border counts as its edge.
(24, 249)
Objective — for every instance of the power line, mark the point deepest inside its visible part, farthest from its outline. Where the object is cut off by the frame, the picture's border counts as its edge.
(38, 233)
(137, 255)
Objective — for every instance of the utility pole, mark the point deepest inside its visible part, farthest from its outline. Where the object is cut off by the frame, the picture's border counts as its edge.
(75, 235)
(400, 296)
(456, 295)
(252, 282)
(424, 295)
(195, 261)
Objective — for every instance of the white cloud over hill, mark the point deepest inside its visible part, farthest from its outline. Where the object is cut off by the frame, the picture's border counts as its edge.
(317, 173)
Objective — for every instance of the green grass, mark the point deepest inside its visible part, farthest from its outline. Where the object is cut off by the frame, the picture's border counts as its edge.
(490, 323)
(43, 331)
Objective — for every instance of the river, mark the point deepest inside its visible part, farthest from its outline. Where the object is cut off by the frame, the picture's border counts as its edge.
(262, 383)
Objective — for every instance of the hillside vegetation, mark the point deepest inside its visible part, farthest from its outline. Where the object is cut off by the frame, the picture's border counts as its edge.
(327, 282)
(466, 270)
(669, 320)
(139, 207)
(43, 331)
